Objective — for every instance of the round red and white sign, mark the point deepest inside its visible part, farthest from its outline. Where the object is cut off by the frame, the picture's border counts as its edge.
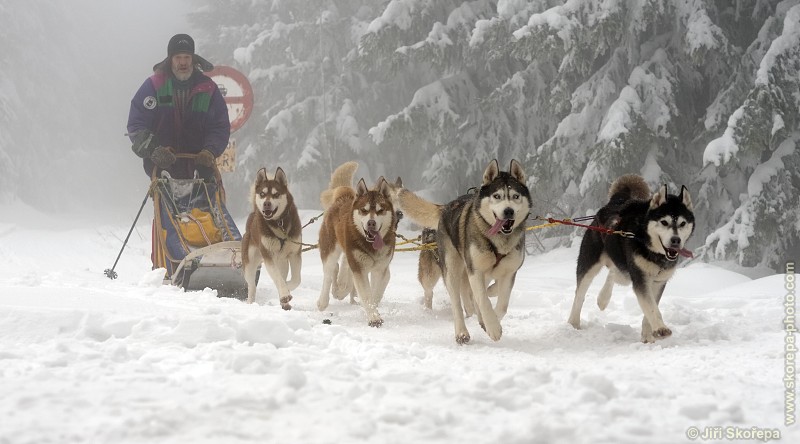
(237, 91)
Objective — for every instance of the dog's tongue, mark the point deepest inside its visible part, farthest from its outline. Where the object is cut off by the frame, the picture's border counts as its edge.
(498, 224)
(377, 244)
(686, 253)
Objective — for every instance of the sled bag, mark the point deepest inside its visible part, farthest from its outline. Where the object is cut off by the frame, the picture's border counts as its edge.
(198, 228)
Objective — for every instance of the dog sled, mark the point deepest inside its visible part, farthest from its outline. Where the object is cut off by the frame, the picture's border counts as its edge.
(194, 236)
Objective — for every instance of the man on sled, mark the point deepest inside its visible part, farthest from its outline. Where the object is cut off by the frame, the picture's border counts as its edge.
(179, 125)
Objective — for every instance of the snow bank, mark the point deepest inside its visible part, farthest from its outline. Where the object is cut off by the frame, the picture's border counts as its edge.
(86, 359)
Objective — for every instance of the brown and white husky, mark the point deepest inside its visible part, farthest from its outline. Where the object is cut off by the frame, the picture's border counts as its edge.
(273, 236)
(359, 223)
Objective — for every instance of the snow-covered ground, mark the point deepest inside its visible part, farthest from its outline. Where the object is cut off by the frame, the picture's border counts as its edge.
(87, 359)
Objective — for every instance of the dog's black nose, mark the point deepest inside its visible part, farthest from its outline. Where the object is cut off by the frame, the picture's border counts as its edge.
(508, 213)
(675, 242)
(267, 206)
(399, 214)
(372, 225)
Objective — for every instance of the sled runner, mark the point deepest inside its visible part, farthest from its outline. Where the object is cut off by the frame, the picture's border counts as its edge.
(194, 237)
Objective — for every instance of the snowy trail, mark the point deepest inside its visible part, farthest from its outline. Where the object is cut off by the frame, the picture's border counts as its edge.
(86, 359)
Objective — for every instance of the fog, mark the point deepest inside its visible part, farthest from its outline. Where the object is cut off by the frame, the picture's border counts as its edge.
(94, 55)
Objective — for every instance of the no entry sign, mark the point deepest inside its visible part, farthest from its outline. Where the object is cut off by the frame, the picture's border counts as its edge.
(237, 91)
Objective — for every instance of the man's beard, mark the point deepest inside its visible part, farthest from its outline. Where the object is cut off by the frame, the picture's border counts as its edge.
(182, 76)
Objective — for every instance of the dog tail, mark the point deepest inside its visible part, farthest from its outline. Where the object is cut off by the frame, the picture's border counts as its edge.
(629, 186)
(341, 177)
(420, 210)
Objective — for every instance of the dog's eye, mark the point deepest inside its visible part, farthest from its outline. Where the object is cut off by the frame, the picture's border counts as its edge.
(363, 211)
(683, 224)
(262, 194)
(515, 196)
(664, 223)
(497, 196)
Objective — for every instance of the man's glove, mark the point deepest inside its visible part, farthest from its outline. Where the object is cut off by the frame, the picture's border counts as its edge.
(205, 158)
(163, 157)
(143, 143)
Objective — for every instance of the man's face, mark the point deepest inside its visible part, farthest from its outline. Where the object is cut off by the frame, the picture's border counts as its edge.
(182, 66)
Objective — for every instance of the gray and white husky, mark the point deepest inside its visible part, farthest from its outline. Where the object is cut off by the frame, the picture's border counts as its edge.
(480, 238)
(661, 224)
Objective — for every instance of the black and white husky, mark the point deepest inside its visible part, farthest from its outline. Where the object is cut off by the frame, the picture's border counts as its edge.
(480, 238)
(661, 224)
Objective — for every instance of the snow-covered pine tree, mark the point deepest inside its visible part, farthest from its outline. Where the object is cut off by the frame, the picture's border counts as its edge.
(311, 105)
(753, 168)
(581, 91)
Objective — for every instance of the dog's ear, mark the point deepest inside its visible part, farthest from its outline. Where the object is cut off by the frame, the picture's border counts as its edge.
(361, 188)
(686, 198)
(261, 175)
(659, 198)
(399, 182)
(280, 176)
(378, 182)
(491, 172)
(516, 171)
(383, 188)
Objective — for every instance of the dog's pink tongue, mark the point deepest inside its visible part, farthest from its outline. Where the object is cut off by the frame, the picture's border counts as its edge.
(498, 224)
(377, 244)
(686, 253)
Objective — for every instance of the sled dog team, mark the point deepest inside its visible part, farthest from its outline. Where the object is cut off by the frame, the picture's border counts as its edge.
(480, 239)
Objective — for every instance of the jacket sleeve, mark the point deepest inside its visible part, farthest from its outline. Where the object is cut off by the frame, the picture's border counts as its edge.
(218, 129)
(142, 114)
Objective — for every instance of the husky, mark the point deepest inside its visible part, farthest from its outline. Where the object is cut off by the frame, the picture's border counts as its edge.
(273, 236)
(360, 223)
(429, 272)
(343, 176)
(661, 224)
(428, 269)
(480, 237)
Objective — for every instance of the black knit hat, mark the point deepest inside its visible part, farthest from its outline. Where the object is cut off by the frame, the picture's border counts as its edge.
(180, 43)
(183, 44)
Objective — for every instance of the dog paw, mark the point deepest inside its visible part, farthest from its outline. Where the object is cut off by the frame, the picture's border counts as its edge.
(648, 338)
(286, 299)
(494, 330)
(662, 332)
(495, 333)
(286, 306)
(462, 338)
(377, 322)
(575, 324)
(322, 304)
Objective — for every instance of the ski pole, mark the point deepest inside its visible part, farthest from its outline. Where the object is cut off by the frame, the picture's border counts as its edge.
(109, 272)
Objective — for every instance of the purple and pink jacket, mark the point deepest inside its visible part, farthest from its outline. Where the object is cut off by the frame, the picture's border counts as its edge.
(204, 124)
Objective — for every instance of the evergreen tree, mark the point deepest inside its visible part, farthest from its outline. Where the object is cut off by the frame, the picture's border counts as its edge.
(311, 106)
(580, 91)
(753, 166)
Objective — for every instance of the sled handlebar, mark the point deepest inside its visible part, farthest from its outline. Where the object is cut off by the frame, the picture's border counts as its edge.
(193, 157)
